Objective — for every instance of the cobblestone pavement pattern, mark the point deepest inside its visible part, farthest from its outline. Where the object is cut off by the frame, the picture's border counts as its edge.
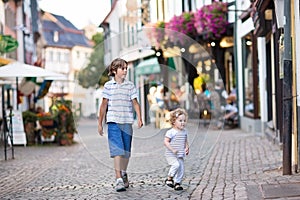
(221, 165)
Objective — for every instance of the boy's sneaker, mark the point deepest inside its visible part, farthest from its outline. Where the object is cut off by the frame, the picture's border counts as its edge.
(125, 180)
(120, 185)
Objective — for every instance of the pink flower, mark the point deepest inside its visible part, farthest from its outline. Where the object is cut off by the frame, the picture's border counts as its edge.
(211, 20)
(179, 27)
(155, 33)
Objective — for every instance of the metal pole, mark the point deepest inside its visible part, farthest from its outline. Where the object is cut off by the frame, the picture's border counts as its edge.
(287, 92)
(4, 123)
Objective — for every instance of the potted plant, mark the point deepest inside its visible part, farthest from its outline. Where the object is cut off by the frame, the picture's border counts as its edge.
(29, 120)
(66, 125)
(29, 117)
(45, 119)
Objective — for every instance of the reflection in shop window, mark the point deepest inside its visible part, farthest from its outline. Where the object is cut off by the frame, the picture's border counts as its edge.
(248, 78)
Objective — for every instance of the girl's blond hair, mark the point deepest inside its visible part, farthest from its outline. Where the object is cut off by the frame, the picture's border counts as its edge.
(115, 64)
(176, 113)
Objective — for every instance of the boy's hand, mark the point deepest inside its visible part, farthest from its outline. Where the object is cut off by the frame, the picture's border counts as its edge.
(140, 123)
(100, 129)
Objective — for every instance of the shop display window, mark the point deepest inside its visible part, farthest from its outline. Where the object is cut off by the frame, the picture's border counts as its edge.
(250, 78)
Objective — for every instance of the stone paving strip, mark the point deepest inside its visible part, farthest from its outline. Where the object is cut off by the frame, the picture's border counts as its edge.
(221, 165)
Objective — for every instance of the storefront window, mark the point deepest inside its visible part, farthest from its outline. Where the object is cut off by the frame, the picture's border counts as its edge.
(250, 74)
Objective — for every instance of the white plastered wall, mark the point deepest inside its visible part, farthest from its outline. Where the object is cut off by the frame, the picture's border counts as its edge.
(262, 66)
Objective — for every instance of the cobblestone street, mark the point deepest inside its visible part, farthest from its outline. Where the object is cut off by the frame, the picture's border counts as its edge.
(224, 164)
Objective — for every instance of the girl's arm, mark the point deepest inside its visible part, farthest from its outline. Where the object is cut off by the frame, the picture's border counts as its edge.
(167, 144)
(187, 148)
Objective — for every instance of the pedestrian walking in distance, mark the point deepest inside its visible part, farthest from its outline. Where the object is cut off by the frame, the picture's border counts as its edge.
(177, 148)
(119, 100)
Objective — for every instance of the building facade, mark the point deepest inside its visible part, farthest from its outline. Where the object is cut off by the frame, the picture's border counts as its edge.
(249, 57)
(66, 50)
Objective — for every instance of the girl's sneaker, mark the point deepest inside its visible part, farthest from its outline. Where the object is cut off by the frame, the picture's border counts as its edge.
(120, 185)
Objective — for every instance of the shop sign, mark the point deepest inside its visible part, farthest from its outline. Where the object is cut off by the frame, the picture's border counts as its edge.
(8, 44)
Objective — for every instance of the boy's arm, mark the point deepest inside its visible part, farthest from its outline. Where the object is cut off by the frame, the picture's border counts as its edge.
(102, 112)
(137, 109)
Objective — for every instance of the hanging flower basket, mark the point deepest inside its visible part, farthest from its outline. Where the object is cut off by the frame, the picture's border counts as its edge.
(156, 33)
(211, 20)
(181, 27)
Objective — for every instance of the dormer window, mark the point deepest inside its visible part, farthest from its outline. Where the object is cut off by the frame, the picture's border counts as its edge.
(55, 36)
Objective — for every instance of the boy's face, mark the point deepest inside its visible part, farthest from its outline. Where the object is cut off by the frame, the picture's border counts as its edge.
(121, 72)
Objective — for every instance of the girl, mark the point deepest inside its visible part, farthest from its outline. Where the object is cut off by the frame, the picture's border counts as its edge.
(176, 148)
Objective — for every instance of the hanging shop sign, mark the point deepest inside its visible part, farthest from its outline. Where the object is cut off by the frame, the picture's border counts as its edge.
(8, 44)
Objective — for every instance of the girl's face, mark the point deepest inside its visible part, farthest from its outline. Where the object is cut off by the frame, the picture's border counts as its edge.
(121, 72)
(180, 122)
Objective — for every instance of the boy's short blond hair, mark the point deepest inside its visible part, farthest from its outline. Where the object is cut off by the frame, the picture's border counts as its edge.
(115, 64)
(176, 113)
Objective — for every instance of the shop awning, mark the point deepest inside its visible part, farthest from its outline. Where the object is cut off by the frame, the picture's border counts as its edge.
(149, 66)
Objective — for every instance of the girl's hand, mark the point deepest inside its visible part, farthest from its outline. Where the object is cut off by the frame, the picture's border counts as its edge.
(187, 151)
(175, 152)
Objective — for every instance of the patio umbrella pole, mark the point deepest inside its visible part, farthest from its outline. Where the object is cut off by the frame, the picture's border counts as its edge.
(17, 88)
(7, 131)
(4, 124)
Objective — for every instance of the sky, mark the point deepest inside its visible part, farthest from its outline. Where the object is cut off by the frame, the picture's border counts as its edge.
(79, 13)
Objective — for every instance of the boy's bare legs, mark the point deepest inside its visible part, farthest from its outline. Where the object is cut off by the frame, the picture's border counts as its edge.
(120, 164)
(124, 163)
(117, 165)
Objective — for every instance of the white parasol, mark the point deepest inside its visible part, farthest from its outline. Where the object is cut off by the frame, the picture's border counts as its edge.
(18, 69)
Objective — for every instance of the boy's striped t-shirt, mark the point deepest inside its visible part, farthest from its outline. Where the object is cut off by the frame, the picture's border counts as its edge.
(120, 96)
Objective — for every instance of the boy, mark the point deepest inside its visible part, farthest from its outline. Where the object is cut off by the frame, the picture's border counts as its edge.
(119, 99)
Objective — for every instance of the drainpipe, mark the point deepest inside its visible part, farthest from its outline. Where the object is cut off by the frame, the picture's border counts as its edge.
(287, 92)
(295, 159)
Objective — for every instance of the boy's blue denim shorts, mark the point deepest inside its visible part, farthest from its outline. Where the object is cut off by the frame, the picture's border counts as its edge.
(119, 139)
